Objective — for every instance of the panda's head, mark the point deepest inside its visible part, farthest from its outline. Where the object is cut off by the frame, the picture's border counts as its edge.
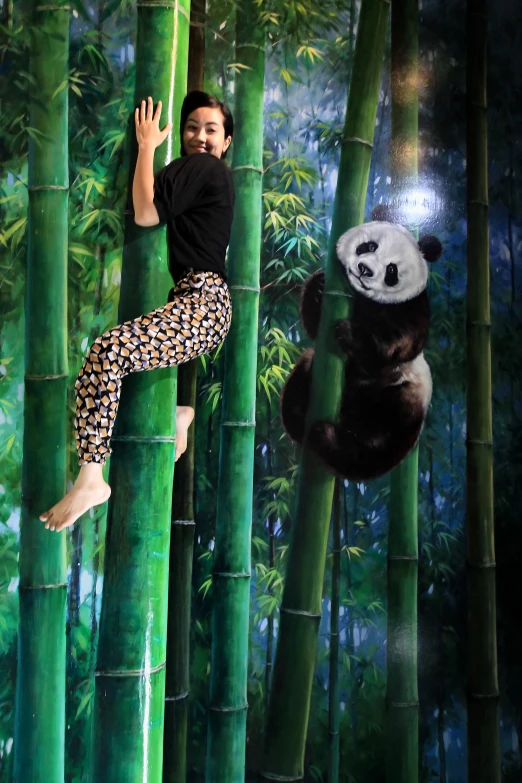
(384, 262)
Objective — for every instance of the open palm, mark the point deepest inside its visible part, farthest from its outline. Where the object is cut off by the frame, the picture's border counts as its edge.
(148, 132)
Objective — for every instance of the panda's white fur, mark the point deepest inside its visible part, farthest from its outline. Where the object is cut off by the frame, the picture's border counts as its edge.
(387, 382)
(395, 246)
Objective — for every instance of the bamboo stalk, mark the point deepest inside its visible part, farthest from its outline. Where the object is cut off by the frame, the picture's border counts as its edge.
(231, 573)
(271, 562)
(403, 557)
(177, 683)
(40, 694)
(196, 60)
(333, 702)
(484, 755)
(301, 605)
(128, 713)
(180, 582)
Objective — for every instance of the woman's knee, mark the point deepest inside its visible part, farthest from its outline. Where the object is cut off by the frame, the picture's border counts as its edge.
(105, 348)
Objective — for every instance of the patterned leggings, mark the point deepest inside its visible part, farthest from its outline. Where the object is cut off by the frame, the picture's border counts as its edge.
(194, 323)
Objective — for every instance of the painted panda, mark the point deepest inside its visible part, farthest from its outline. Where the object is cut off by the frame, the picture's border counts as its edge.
(387, 385)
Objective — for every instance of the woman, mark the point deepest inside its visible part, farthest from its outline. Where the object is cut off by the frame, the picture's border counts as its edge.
(194, 195)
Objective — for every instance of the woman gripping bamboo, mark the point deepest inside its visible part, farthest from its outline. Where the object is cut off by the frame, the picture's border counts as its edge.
(194, 196)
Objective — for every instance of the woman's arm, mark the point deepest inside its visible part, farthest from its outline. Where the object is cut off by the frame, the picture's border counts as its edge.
(145, 213)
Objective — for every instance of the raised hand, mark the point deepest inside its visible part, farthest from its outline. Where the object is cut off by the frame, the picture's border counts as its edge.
(148, 132)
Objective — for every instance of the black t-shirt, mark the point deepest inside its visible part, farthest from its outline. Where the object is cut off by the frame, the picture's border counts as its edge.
(195, 196)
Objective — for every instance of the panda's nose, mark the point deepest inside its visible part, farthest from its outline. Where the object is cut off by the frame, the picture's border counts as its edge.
(364, 270)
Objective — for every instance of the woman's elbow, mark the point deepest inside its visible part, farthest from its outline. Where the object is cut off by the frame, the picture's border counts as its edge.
(148, 217)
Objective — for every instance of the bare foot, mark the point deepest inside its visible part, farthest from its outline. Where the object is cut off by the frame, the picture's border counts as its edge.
(184, 416)
(89, 490)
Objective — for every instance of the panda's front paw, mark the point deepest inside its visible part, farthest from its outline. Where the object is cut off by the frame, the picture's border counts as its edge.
(344, 336)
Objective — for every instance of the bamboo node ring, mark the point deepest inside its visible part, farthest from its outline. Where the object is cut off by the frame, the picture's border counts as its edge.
(302, 612)
(480, 566)
(231, 575)
(344, 294)
(250, 46)
(244, 288)
(45, 377)
(145, 438)
(229, 709)
(129, 672)
(31, 188)
(42, 587)
(251, 168)
(357, 140)
(53, 8)
(179, 697)
(238, 424)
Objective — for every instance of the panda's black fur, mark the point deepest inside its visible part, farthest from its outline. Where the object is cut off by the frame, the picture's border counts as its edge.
(387, 384)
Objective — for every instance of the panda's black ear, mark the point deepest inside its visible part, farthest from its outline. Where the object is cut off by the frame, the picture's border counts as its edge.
(384, 214)
(430, 248)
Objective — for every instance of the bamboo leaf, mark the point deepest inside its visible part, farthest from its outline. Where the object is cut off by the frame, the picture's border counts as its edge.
(15, 227)
(239, 66)
(83, 704)
(81, 250)
(61, 87)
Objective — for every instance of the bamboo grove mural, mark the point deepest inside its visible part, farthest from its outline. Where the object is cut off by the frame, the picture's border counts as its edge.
(270, 604)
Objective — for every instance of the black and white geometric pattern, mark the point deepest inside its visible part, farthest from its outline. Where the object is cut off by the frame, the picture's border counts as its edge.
(194, 323)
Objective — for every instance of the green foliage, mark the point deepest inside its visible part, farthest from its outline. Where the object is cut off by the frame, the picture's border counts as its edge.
(309, 59)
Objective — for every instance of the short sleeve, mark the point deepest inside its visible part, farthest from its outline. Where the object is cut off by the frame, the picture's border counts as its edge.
(159, 198)
(178, 189)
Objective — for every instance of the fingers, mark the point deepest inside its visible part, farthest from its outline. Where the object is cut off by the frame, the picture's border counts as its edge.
(144, 112)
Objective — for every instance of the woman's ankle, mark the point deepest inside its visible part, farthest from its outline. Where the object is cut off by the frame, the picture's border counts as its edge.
(91, 473)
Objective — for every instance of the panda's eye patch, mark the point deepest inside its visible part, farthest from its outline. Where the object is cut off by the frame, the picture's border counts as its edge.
(391, 277)
(366, 247)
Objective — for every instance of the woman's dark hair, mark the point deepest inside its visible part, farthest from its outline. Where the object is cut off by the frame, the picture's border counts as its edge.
(196, 99)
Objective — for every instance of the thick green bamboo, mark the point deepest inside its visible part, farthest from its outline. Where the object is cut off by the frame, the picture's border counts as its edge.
(40, 694)
(196, 60)
(484, 755)
(333, 685)
(402, 694)
(177, 682)
(301, 605)
(402, 736)
(130, 672)
(231, 572)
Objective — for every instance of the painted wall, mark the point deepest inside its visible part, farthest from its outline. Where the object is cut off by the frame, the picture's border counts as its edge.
(305, 103)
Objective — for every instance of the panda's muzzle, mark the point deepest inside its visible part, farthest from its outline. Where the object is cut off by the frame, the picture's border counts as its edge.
(364, 270)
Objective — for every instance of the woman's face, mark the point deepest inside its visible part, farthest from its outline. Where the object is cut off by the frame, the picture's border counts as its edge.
(204, 132)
